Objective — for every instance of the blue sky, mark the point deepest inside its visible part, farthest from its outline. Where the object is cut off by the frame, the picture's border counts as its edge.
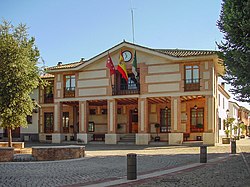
(67, 30)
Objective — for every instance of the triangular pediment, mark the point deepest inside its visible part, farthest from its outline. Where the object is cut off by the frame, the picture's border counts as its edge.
(168, 55)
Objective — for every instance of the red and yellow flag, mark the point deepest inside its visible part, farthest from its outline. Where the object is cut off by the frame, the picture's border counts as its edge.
(122, 67)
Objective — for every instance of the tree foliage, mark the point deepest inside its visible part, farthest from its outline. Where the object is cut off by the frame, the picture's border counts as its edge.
(18, 75)
(234, 23)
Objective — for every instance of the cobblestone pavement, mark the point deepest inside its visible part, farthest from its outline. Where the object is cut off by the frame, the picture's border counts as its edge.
(106, 163)
(233, 171)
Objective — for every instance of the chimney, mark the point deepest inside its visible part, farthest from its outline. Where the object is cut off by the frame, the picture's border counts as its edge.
(59, 63)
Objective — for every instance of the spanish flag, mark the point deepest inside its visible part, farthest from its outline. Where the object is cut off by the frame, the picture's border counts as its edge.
(122, 68)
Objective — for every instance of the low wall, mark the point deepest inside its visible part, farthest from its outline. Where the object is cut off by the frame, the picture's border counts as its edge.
(6, 154)
(17, 145)
(58, 152)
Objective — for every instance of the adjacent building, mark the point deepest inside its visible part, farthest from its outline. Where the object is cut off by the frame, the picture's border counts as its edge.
(223, 110)
(31, 133)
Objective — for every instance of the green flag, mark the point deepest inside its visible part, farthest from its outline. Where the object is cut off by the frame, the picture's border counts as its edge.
(134, 65)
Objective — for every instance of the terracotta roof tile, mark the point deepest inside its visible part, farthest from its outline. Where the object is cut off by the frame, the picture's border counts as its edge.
(184, 52)
(47, 75)
(66, 66)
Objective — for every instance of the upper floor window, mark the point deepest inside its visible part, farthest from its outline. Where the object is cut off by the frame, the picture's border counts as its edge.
(29, 119)
(122, 87)
(223, 102)
(219, 99)
(69, 87)
(165, 123)
(192, 78)
(48, 92)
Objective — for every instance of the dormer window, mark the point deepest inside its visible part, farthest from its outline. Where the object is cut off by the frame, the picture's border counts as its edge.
(69, 88)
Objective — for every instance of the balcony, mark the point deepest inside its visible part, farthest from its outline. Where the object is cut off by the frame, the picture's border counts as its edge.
(48, 98)
(192, 85)
(126, 89)
(69, 92)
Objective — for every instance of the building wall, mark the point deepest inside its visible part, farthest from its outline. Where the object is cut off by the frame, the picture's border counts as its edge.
(159, 77)
(223, 106)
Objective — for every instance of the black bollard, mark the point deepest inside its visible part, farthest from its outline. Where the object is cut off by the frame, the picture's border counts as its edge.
(203, 154)
(131, 166)
(233, 147)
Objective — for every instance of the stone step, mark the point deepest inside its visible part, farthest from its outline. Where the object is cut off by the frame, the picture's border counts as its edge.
(125, 143)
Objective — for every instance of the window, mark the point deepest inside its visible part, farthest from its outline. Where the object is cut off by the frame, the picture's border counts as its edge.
(192, 78)
(165, 120)
(104, 111)
(48, 122)
(91, 127)
(48, 92)
(69, 90)
(223, 103)
(29, 119)
(65, 122)
(197, 120)
(92, 111)
(219, 124)
(121, 87)
(219, 99)
(119, 111)
(131, 84)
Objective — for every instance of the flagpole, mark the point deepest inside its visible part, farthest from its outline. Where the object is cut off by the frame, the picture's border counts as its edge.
(133, 28)
(110, 77)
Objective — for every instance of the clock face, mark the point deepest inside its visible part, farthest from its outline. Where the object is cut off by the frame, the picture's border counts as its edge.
(127, 56)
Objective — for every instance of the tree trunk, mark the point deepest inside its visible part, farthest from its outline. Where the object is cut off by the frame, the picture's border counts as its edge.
(9, 137)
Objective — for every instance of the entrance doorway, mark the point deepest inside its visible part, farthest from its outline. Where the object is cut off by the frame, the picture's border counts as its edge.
(133, 121)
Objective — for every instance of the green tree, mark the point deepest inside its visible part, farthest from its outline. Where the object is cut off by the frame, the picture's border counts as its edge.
(234, 23)
(18, 76)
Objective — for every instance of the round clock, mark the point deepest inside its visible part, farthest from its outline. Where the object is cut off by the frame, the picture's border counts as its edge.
(127, 56)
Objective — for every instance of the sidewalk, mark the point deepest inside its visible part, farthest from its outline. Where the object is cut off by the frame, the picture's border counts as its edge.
(156, 166)
(230, 170)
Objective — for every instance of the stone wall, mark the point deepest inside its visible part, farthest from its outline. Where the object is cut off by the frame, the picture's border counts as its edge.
(18, 145)
(6, 154)
(58, 152)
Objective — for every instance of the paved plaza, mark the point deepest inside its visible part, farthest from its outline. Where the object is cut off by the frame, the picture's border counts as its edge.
(157, 166)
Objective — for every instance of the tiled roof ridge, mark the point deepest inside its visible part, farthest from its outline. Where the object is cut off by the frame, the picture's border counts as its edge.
(67, 65)
(47, 75)
(185, 52)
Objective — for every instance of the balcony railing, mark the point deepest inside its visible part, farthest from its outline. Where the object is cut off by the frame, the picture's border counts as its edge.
(192, 85)
(69, 92)
(126, 89)
(48, 98)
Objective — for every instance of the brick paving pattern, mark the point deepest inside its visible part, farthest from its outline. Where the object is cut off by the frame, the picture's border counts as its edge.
(107, 163)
